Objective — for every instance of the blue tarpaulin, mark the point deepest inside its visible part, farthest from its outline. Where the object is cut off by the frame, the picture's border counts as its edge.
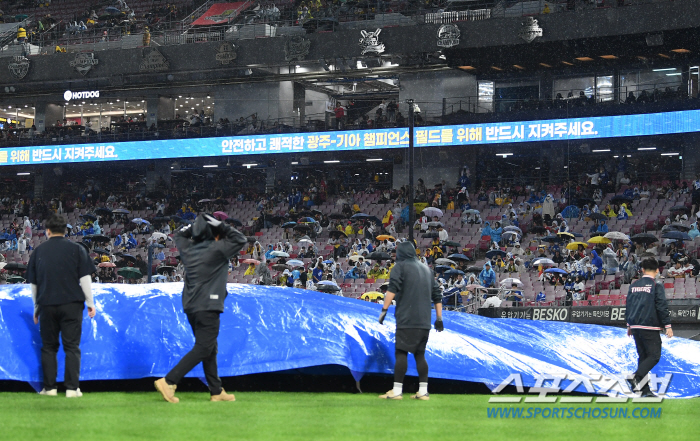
(141, 331)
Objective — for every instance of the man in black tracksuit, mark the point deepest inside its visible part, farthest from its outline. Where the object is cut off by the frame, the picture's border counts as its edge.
(205, 249)
(413, 286)
(647, 313)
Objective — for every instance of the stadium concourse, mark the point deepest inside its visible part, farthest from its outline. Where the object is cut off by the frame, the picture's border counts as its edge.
(580, 280)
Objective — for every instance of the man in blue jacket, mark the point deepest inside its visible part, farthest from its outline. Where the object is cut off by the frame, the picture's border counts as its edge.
(647, 314)
(487, 277)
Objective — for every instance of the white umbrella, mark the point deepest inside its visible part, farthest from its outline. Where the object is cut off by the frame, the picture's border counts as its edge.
(354, 258)
(513, 228)
(279, 254)
(305, 241)
(543, 261)
(470, 211)
(444, 261)
(510, 233)
(432, 211)
(616, 235)
(510, 281)
(295, 263)
(157, 236)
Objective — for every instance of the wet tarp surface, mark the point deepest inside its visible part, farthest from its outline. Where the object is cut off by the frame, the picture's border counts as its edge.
(141, 331)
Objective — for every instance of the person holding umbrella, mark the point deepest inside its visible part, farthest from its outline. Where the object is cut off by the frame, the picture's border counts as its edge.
(205, 249)
(60, 275)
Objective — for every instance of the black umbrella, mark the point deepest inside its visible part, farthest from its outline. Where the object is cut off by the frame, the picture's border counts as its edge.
(165, 269)
(379, 256)
(458, 256)
(680, 208)
(493, 253)
(100, 251)
(288, 224)
(451, 243)
(13, 266)
(538, 230)
(97, 238)
(336, 234)
(645, 238)
(680, 227)
(620, 199)
(598, 216)
(233, 221)
(279, 267)
(302, 227)
(327, 288)
(103, 210)
(584, 201)
(316, 211)
(337, 216)
(128, 257)
(474, 269)
(431, 234)
(89, 216)
(360, 216)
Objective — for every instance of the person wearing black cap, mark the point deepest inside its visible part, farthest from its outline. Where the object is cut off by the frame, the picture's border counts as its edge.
(60, 275)
(205, 249)
(413, 286)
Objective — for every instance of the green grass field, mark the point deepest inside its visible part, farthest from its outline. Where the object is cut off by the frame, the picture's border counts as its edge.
(314, 416)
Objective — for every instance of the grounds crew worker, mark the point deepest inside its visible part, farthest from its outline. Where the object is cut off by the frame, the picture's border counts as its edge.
(413, 286)
(206, 247)
(59, 271)
(647, 313)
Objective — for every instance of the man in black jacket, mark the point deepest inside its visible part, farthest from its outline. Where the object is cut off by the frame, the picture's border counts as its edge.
(205, 250)
(413, 286)
(60, 275)
(647, 313)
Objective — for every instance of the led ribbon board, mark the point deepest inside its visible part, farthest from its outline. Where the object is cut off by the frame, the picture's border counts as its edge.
(466, 134)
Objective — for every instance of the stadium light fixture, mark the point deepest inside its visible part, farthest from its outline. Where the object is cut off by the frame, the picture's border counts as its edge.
(211, 166)
(600, 150)
(545, 65)
(253, 164)
(663, 70)
(646, 148)
(467, 67)
(335, 161)
(373, 159)
(584, 58)
(674, 74)
(517, 66)
(27, 173)
(608, 57)
(496, 68)
(680, 51)
(567, 63)
(670, 154)
(663, 55)
(504, 155)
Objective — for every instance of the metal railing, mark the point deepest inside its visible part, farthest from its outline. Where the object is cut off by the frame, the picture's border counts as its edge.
(291, 21)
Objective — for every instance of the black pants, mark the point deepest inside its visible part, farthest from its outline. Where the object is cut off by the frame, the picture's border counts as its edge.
(205, 326)
(648, 344)
(66, 320)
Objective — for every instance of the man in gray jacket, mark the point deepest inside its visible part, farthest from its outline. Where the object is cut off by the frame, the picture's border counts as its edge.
(205, 249)
(413, 286)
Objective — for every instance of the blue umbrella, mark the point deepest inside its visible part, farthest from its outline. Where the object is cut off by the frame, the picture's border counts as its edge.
(328, 262)
(494, 253)
(676, 235)
(288, 224)
(307, 220)
(138, 220)
(295, 262)
(360, 216)
(112, 10)
(555, 270)
(458, 256)
(442, 268)
(551, 238)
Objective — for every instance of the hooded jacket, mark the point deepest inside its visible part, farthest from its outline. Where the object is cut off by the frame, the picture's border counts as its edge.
(610, 262)
(486, 230)
(206, 264)
(597, 261)
(487, 277)
(548, 206)
(415, 288)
